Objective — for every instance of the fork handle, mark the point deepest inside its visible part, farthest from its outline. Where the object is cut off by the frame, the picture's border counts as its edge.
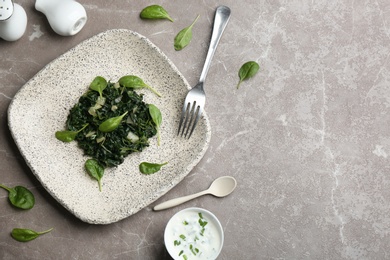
(221, 19)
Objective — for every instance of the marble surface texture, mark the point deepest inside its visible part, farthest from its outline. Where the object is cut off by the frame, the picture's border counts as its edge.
(307, 139)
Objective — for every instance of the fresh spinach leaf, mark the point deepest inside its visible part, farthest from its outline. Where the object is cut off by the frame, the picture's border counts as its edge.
(150, 168)
(155, 113)
(135, 82)
(112, 123)
(25, 235)
(155, 12)
(95, 170)
(184, 37)
(20, 197)
(247, 70)
(98, 84)
(68, 136)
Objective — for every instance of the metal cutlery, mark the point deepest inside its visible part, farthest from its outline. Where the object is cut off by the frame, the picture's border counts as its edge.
(196, 97)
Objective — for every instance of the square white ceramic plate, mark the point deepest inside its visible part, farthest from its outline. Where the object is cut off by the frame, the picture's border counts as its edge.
(42, 105)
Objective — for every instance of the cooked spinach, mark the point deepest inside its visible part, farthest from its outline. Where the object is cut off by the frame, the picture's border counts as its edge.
(116, 124)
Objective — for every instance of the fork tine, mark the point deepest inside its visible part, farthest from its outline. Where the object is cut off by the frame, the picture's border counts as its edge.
(189, 118)
(182, 117)
(191, 113)
(186, 118)
(198, 110)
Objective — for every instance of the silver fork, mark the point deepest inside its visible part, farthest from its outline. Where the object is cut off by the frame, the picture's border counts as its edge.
(196, 97)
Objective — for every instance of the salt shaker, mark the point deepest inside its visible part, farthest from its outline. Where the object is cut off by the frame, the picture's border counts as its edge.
(13, 20)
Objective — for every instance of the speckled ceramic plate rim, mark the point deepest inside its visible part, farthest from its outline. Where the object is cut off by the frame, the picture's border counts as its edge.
(22, 142)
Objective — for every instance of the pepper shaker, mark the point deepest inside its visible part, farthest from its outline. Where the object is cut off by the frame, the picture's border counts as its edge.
(66, 17)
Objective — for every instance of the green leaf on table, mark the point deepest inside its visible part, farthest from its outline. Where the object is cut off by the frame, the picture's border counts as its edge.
(155, 12)
(184, 37)
(20, 197)
(247, 70)
(25, 235)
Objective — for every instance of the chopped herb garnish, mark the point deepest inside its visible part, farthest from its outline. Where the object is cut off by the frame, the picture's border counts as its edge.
(176, 242)
(181, 252)
(185, 223)
(194, 250)
(183, 237)
(200, 215)
(202, 223)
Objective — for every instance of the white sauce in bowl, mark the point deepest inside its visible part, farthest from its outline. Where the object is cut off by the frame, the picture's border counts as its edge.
(193, 233)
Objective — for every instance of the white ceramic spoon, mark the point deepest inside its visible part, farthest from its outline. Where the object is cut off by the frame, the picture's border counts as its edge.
(221, 187)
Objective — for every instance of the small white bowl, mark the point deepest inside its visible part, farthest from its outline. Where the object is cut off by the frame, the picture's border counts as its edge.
(193, 233)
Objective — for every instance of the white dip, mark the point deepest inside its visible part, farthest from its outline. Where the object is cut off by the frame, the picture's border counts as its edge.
(193, 235)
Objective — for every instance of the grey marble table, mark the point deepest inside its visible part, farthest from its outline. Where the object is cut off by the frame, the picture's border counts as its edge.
(308, 138)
